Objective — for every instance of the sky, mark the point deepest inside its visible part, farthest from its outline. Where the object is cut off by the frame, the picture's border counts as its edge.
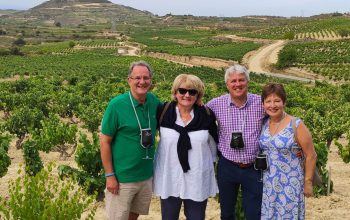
(222, 8)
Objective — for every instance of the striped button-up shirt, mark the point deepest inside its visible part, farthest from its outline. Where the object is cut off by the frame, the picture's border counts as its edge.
(246, 119)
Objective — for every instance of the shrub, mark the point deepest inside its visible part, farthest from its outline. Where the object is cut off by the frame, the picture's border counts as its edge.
(289, 36)
(286, 58)
(71, 44)
(344, 32)
(344, 150)
(23, 119)
(90, 175)
(31, 157)
(5, 160)
(55, 135)
(45, 196)
(16, 51)
(4, 52)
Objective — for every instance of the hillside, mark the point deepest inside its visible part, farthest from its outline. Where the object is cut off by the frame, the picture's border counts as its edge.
(7, 12)
(63, 3)
(75, 12)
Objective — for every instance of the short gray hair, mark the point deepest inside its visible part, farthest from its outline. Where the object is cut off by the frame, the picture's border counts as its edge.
(237, 69)
(140, 63)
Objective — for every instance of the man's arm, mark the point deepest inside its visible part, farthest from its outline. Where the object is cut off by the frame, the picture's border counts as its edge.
(112, 184)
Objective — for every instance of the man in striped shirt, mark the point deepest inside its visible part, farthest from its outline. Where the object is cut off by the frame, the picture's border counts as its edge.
(239, 115)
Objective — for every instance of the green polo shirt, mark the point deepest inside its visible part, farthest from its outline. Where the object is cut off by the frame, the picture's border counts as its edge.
(119, 121)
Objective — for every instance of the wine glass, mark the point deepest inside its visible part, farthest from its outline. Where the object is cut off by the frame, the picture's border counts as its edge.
(146, 141)
(147, 157)
(261, 164)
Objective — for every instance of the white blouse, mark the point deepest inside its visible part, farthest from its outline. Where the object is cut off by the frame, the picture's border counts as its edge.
(199, 182)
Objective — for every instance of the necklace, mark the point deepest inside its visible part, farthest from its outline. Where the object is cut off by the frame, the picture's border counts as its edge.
(278, 123)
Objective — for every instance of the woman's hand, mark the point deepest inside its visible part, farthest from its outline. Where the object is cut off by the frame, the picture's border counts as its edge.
(308, 189)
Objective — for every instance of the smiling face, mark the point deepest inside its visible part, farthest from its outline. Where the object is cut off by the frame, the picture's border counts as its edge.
(274, 105)
(139, 81)
(185, 100)
(237, 85)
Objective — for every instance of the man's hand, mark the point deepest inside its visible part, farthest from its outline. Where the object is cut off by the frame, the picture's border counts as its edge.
(112, 185)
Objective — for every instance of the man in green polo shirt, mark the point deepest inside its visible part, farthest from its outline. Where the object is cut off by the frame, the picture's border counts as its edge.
(127, 146)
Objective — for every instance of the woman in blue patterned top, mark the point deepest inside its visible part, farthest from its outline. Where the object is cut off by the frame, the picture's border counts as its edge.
(284, 181)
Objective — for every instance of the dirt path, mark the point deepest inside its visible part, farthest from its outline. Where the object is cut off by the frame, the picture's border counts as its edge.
(12, 79)
(337, 205)
(333, 207)
(266, 55)
(236, 38)
(133, 50)
(260, 62)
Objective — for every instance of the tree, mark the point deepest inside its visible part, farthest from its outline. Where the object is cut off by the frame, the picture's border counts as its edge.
(58, 24)
(19, 42)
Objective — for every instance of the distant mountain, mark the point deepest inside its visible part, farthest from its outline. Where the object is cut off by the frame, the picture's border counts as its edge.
(75, 12)
(63, 3)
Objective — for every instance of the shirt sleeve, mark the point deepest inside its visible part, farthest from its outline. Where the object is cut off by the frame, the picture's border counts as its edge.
(210, 104)
(110, 120)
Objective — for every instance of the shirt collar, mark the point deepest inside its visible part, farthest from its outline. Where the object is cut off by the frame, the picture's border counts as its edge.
(136, 103)
(229, 101)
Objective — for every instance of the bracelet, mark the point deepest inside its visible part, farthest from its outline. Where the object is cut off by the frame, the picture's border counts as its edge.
(109, 174)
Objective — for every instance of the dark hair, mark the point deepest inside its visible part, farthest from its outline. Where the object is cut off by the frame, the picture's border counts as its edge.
(274, 88)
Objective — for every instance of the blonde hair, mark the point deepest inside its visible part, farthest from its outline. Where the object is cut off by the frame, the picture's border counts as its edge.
(188, 81)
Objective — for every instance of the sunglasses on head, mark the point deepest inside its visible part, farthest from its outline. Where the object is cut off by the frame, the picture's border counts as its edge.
(191, 92)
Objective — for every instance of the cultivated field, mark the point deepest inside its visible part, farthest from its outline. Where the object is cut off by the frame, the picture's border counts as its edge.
(57, 76)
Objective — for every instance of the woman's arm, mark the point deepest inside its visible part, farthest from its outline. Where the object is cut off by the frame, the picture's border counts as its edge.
(306, 144)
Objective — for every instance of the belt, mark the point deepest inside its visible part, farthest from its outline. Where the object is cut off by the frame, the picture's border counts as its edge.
(243, 165)
(240, 165)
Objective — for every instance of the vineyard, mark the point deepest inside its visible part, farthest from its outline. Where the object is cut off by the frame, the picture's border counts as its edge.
(78, 86)
(193, 43)
(301, 29)
(328, 58)
(55, 86)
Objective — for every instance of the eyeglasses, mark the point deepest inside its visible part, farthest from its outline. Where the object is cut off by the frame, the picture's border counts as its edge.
(191, 92)
(138, 79)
